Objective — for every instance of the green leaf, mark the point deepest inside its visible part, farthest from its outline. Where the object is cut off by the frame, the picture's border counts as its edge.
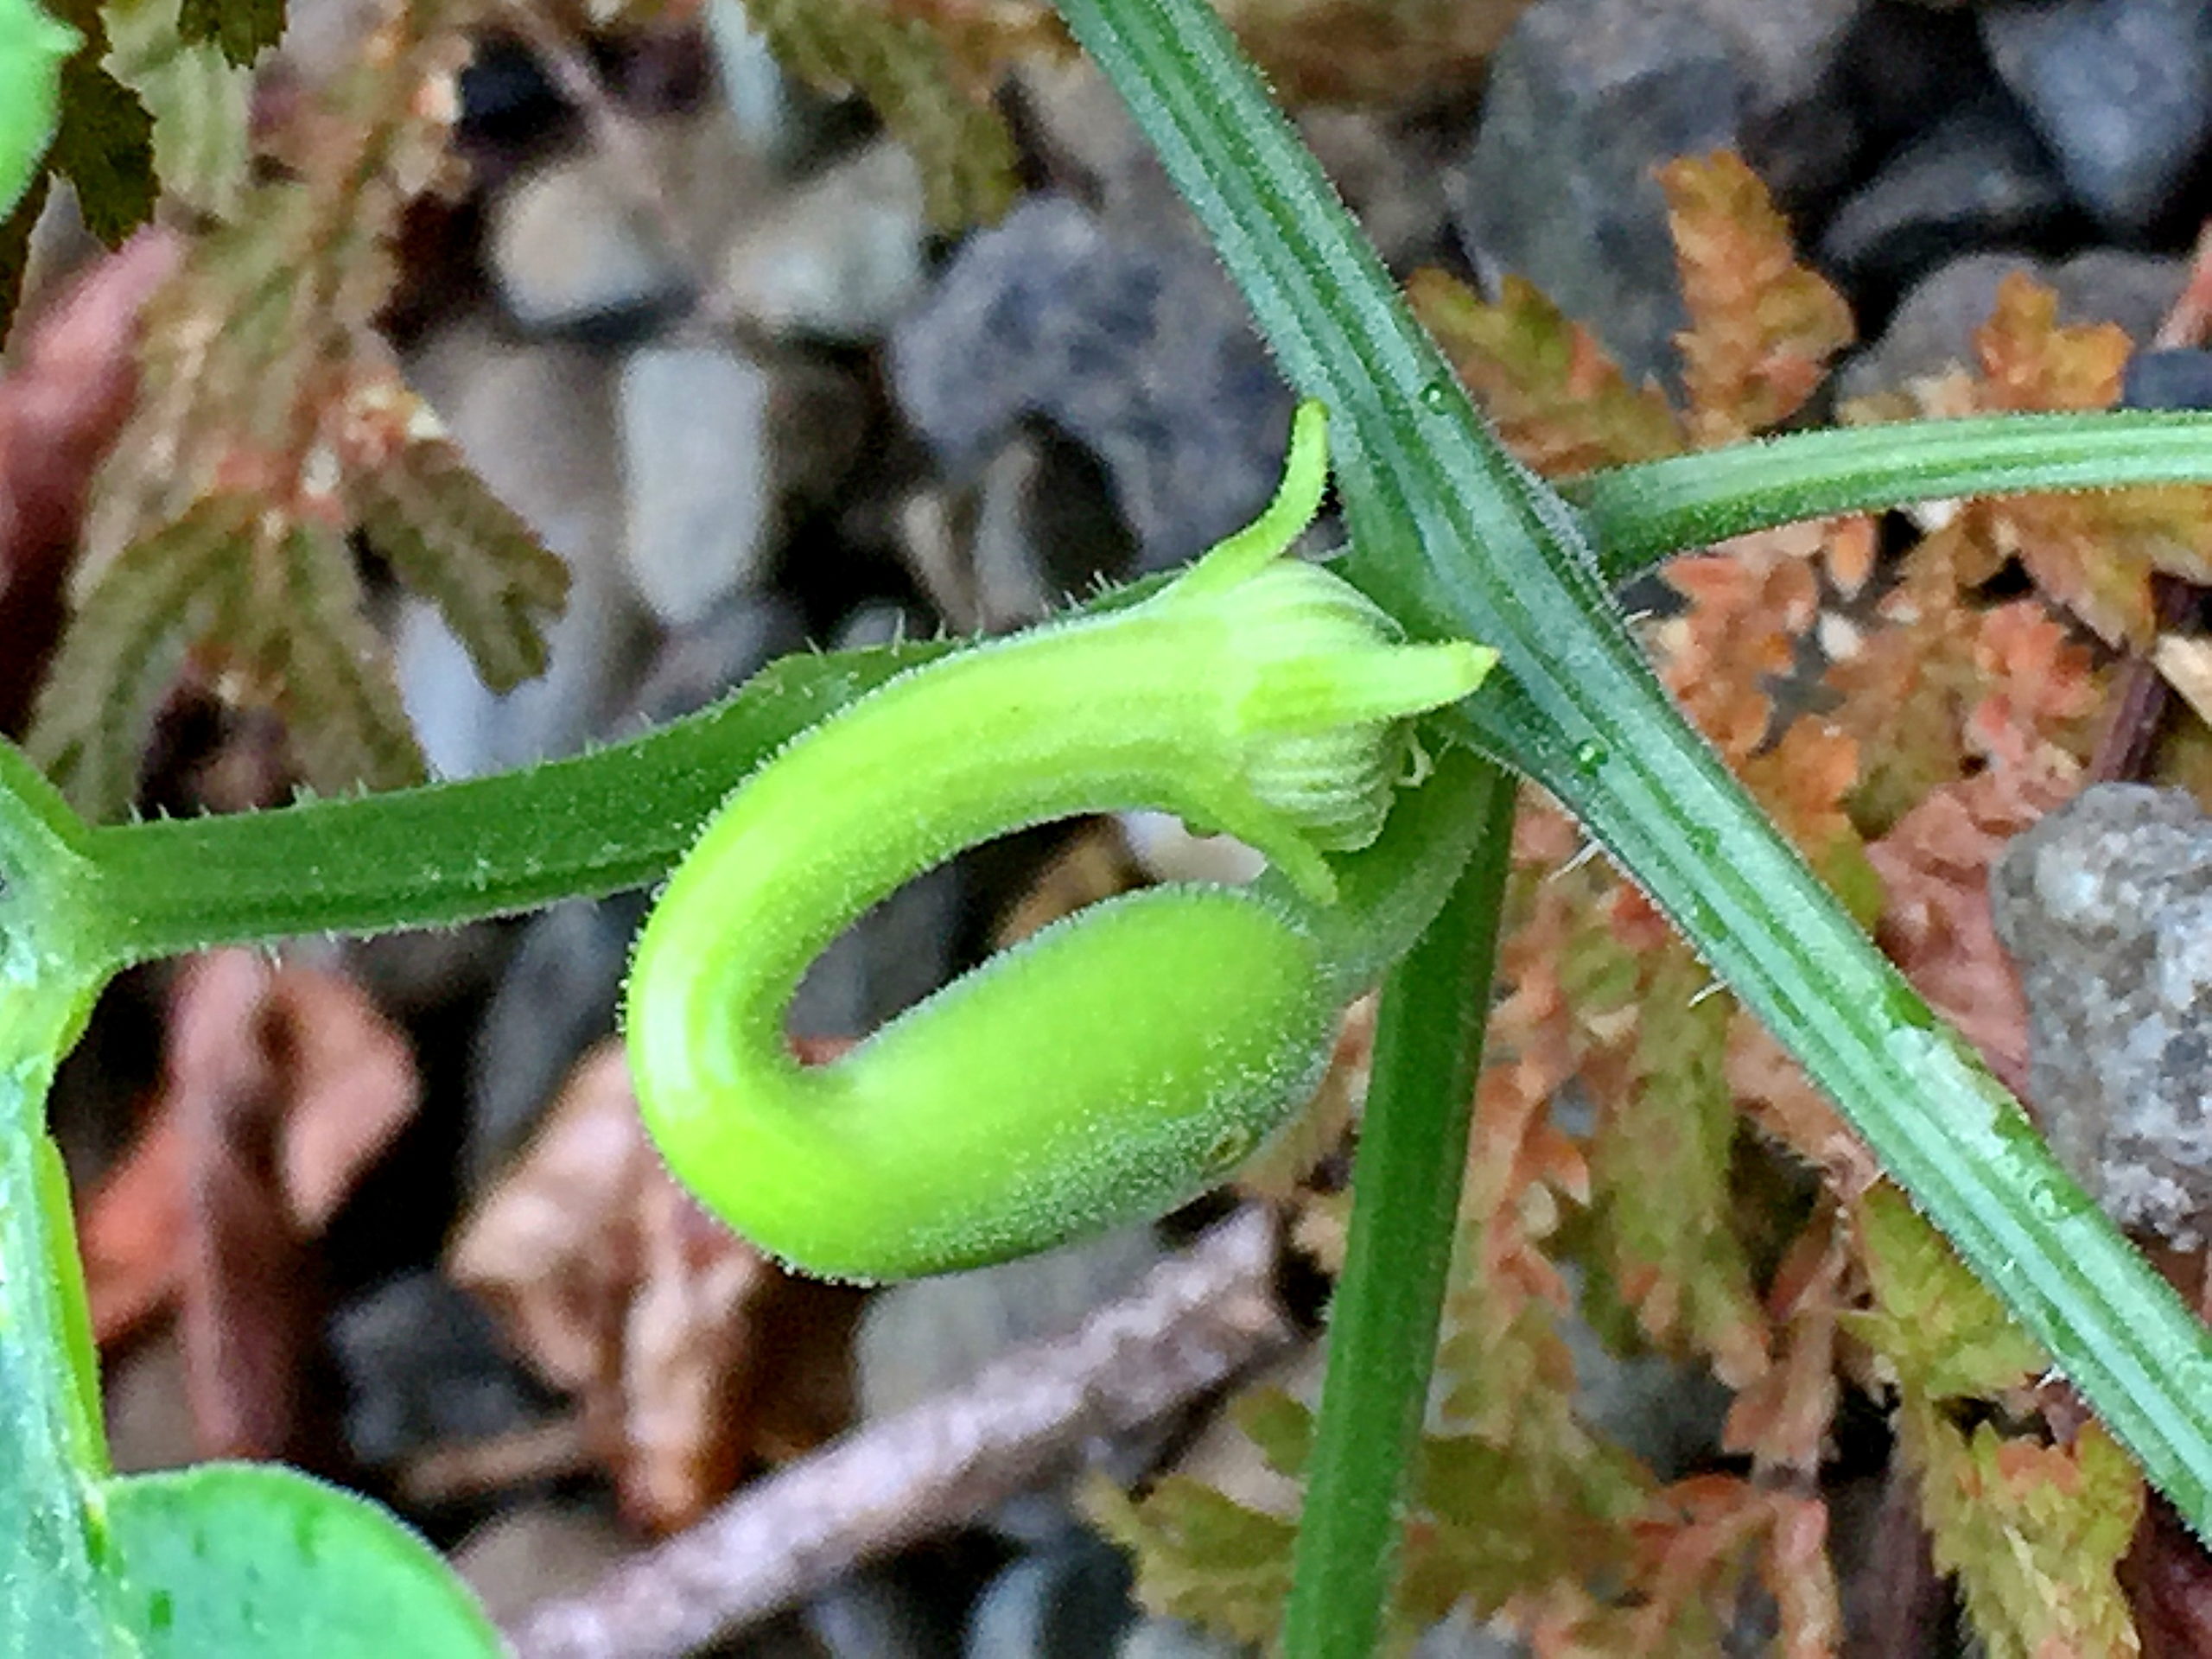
(2034, 1532)
(296, 616)
(1948, 1337)
(104, 146)
(1561, 402)
(1279, 1426)
(198, 100)
(1660, 1167)
(1457, 541)
(1201, 1556)
(243, 29)
(121, 652)
(253, 1561)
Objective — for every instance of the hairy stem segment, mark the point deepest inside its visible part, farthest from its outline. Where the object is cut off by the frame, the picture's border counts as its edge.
(1124, 1058)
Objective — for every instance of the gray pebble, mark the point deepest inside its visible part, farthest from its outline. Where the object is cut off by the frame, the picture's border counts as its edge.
(2106, 906)
(1129, 339)
(2121, 90)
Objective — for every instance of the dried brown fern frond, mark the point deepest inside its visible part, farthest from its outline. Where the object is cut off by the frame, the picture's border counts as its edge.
(933, 96)
(271, 424)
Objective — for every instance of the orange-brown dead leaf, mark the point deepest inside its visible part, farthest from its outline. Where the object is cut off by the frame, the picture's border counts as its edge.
(1781, 1420)
(1762, 327)
(2031, 364)
(1935, 921)
(693, 1352)
(1773, 1088)
(283, 1086)
(1561, 404)
(2093, 554)
(1692, 1545)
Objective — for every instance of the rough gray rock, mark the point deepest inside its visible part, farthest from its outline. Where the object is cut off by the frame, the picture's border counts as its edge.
(557, 998)
(694, 422)
(1069, 1600)
(423, 1365)
(1933, 329)
(551, 1547)
(1586, 96)
(610, 242)
(2121, 89)
(719, 450)
(2180, 378)
(2106, 907)
(1038, 529)
(918, 1339)
(1155, 1637)
(1129, 339)
(571, 250)
(536, 420)
(714, 657)
(836, 258)
(1977, 178)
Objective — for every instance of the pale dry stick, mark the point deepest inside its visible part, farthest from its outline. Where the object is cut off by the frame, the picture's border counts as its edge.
(1194, 1323)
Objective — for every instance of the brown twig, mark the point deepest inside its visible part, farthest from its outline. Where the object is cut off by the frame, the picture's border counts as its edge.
(2140, 695)
(1194, 1323)
(474, 1469)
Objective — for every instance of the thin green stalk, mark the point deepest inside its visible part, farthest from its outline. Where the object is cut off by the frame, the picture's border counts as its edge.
(55, 1588)
(1638, 515)
(1457, 539)
(615, 818)
(1383, 1324)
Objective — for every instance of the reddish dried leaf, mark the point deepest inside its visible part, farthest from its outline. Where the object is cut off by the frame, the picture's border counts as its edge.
(283, 1086)
(1905, 686)
(1748, 602)
(1773, 1088)
(1561, 404)
(2041, 693)
(693, 1352)
(1780, 1422)
(1660, 1165)
(1936, 923)
(131, 1230)
(2031, 364)
(1762, 327)
(59, 408)
(1694, 1543)
(1371, 52)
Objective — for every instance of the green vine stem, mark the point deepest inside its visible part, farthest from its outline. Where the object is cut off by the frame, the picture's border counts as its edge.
(1389, 1300)
(54, 1550)
(1637, 515)
(1455, 539)
(614, 818)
